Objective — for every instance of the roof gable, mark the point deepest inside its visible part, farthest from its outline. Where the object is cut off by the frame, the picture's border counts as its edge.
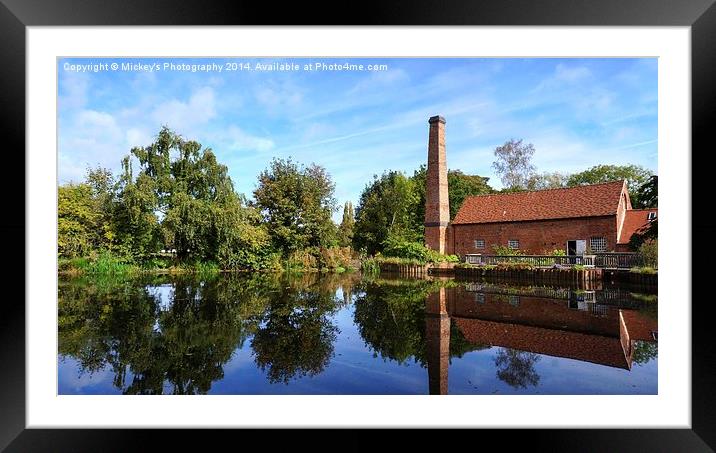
(581, 201)
(635, 220)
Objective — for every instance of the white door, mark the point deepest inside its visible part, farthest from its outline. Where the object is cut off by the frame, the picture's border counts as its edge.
(581, 246)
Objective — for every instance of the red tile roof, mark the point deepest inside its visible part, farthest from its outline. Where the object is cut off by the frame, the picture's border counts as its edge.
(581, 201)
(634, 220)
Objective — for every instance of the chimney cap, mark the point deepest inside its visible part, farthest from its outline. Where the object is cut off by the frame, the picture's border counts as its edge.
(436, 119)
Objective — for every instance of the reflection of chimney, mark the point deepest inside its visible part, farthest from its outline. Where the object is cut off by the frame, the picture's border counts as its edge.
(437, 337)
(437, 205)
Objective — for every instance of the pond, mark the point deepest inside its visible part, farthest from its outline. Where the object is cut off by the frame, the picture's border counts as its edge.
(350, 334)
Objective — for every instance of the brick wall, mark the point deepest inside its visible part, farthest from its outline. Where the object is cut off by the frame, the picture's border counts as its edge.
(535, 237)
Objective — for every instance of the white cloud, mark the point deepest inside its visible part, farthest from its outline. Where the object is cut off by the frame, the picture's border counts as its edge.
(184, 116)
(138, 137)
(279, 95)
(380, 81)
(90, 138)
(73, 90)
(240, 140)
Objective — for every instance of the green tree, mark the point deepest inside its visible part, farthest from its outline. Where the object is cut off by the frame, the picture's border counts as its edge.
(76, 220)
(647, 194)
(513, 163)
(296, 203)
(460, 186)
(347, 223)
(388, 206)
(634, 175)
(184, 199)
(547, 180)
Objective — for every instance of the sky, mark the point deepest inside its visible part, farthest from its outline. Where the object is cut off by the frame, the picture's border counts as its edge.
(359, 122)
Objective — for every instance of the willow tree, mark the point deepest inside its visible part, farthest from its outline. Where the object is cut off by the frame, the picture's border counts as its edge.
(183, 198)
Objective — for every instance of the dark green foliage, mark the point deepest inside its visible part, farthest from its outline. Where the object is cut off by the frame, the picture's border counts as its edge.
(393, 206)
(460, 186)
(634, 175)
(647, 195)
(296, 203)
(389, 205)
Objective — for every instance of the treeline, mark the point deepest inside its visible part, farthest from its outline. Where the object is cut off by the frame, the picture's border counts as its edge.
(179, 208)
(174, 205)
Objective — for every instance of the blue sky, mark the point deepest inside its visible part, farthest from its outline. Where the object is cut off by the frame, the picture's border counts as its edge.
(577, 113)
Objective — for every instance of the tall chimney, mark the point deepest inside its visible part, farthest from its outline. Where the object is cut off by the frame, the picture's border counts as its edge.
(437, 204)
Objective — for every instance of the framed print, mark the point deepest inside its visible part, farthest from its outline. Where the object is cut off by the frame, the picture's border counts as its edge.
(358, 226)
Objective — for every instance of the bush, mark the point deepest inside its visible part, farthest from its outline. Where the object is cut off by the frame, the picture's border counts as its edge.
(515, 266)
(302, 260)
(649, 250)
(401, 248)
(370, 266)
(506, 251)
(334, 257)
(556, 252)
(643, 270)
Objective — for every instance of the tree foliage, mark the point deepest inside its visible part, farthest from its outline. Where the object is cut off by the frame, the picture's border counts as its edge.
(345, 230)
(392, 206)
(513, 163)
(296, 203)
(634, 175)
(388, 206)
(180, 198)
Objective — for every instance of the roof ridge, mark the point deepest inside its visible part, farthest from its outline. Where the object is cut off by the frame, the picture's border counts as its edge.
(641, 209)
(550, 189)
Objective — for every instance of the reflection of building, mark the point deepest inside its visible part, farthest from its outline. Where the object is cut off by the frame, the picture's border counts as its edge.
(596, 218)
(573, 327)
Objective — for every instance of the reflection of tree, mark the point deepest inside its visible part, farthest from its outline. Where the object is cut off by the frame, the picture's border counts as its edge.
(516, 368)
(195, 335)
(644, 352)
(296, 336)
(390, 316)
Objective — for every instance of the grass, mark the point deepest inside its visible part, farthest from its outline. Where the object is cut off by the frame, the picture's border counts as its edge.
(643, 270)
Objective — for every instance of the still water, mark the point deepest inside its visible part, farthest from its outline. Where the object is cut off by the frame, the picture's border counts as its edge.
(348, 334)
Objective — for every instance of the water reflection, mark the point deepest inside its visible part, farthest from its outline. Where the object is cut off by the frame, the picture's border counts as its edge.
(179, 335)
(527, 321)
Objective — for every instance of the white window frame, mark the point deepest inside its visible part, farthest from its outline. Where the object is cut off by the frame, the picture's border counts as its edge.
(477, 246)
(651, 216)
(598, 239)
(510, 243)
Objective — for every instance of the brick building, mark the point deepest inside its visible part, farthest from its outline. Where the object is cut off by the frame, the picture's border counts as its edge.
(592, 218)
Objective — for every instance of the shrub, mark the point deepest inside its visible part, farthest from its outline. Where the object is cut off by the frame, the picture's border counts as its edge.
(643, 270)
(302, 260)
(401, 248)
(334, 257)
(506, 251)
(556, 252)
(370, 266)
(515, 266)
(649, 250)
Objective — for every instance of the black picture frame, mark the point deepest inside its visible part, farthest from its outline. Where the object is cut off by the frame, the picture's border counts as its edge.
(16, 15)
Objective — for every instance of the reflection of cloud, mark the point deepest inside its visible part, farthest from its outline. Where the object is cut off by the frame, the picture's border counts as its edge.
(69, 376)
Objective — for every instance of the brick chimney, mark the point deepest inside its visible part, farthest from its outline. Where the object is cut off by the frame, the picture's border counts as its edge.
(437, 205)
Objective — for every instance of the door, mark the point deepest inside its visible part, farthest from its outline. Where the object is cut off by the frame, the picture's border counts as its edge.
(581, 246)
(571, 248)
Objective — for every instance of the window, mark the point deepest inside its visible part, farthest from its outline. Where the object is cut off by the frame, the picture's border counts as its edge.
(513, 244)
(479, 243)
(598, 245)
(651, 216)
(480, 298)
